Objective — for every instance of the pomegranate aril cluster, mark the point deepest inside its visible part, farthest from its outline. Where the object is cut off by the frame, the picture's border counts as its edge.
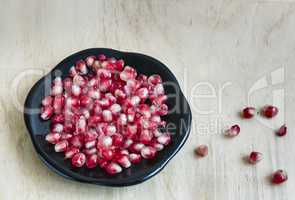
(106, 114)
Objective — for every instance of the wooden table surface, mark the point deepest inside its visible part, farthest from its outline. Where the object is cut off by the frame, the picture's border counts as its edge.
(226, 54)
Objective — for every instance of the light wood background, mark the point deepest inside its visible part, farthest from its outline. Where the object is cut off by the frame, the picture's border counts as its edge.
(218, 48)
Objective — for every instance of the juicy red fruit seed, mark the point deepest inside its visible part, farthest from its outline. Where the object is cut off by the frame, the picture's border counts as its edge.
(248, 112)
(92, 161)
(233, 131)
(255, 157)
(113, 168)
(79, 160)
(282, 131)
(279, 176)
(269, 111)
(202, 150)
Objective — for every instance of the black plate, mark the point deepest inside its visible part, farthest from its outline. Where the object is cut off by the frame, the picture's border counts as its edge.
(180, 116)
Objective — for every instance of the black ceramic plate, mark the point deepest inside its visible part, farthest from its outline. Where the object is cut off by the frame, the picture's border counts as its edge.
(180, 116)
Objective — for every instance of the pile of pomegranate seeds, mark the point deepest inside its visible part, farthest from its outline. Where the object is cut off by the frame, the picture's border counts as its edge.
(105, 114)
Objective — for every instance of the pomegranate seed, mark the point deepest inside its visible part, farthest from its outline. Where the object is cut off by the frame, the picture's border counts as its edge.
(71, 152)
(58, 128)
(81, 67)
(66, 136)
(154, 79)
(146, 136)
(58, 118)
(77, 141)
(279, 177)
(79, 160)
(85, 101)
(47, 101)
(115, 109)
(90, 60)
(90, 152)
(148, 152)
(76, 90)
(90, 144)
(255, 157)
(73, 72)
(269, 111)
(128, 73)
(53, 138)
(248, 112)
(102, 57)
(157, 146)
(233, 131)
(92, 161)
(113, 168)
(117, 139)
(61, 146)
(134, 158)
(136, 147)
(107, 116)
(119, 65)
(202, 150)
(46, 112)
(81, 125)
(158, 90)
(164, 139)
(124, 161)
(107, 154)
(282, 131)
(128, 143)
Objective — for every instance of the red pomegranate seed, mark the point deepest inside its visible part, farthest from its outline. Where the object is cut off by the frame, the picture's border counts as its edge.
(136, 147)
(53, 138)
(146, 136)
(233, 131)
(61, 146)
(148, 152)
(269, 111)
(81, 67)
(79, 81)
(255, 157)
(76, 90)
(124, 161)
(77, 141)
(47, 101)
(154, 79)
(79, 160)
(71, 152)
(248, 112)
(58, 128)
(279, 177)
(282, 131)
(113, 168)
(128, 73)
(92, 161)
(134, 158)
(58, 118)
(107, 154)
(90, 152)
(46, 112)
(90, 60)
(102, 57)
(73, 72)
(164, 139)
(202, 150)
(81, 125)
(119, 65)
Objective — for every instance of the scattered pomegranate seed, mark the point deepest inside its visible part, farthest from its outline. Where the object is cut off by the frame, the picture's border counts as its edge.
(202, 150)
(279, 177)
(233, 131)
(255, 157)
(269, 111)
(103, 110)
(282, 131)
(248, 112)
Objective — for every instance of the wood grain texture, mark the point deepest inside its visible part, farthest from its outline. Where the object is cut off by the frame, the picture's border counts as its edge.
(219, 48)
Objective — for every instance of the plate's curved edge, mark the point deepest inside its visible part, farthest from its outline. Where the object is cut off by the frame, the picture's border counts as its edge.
(130, 183)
